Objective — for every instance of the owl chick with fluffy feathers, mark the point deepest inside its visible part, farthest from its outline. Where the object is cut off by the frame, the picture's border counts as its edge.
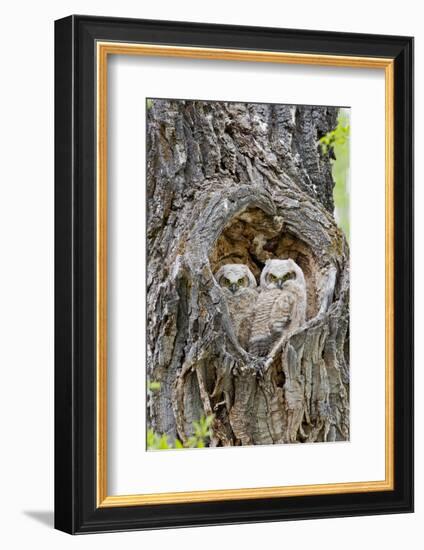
(281, 305)
(239, 287)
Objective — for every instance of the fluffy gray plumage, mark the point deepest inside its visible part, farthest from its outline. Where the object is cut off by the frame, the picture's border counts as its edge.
(239, 287)
(281, 305)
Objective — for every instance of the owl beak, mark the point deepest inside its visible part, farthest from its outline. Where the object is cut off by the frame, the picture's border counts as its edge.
(233, 287)
(280, 283)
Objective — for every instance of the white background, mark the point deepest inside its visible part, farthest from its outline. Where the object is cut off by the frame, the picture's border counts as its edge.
(131, 80)
(26, 276)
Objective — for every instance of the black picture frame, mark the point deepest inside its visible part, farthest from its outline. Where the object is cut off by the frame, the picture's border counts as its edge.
(76, 508)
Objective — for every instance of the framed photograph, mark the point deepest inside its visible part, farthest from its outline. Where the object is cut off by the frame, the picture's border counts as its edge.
(234, 274)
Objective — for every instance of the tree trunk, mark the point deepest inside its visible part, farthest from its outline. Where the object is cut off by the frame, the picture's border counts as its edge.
(242, 183)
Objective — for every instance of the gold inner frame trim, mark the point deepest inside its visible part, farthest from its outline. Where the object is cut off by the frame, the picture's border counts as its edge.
(103, 50)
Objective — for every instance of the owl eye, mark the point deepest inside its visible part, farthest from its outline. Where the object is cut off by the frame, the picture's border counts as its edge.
(241, 281)
(288, 276)
(273, 277)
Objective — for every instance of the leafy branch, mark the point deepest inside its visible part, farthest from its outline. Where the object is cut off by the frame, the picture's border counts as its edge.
(338, 136)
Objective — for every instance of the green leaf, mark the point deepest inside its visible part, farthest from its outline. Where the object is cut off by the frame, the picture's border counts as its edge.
(163, 443)
(154, 386)
(338, 140)
(192, 442)
(202, 432)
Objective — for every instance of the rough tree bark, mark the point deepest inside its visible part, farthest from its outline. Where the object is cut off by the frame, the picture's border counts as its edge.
(241, 183)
